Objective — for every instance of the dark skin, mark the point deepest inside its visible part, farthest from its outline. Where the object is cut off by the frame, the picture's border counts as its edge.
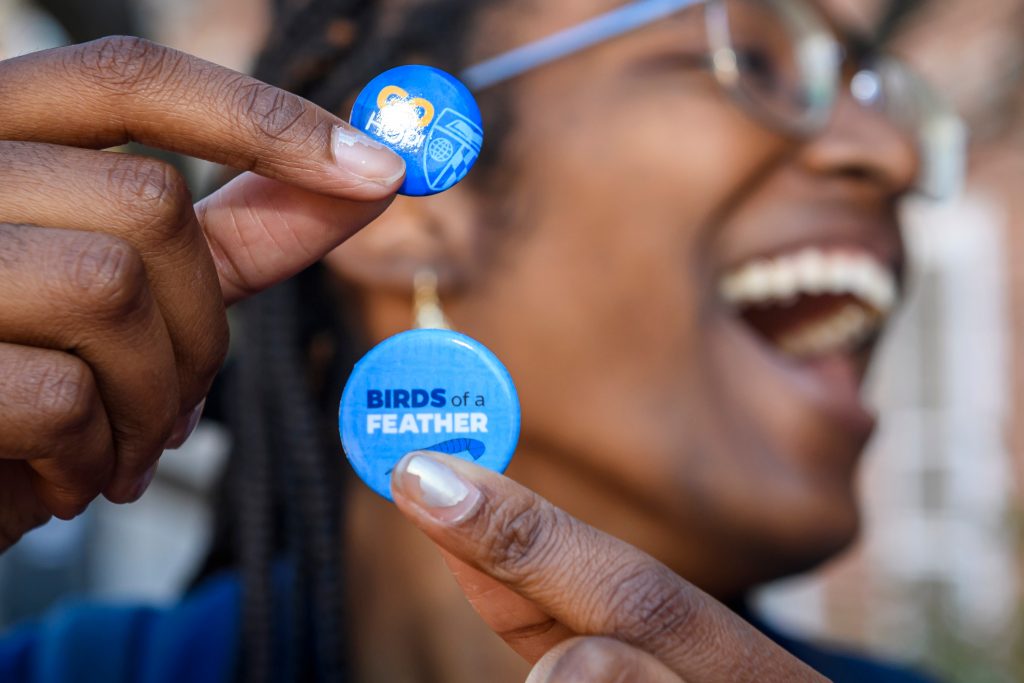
(114, 283)
(143, 277)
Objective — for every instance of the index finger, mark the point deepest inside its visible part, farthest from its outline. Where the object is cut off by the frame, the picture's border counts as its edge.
(115, 90)
(589, 581)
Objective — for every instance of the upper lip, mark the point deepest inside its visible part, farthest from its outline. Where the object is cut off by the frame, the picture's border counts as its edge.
(879, 238)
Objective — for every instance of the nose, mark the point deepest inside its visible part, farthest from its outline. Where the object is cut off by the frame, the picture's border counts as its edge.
(862, 146)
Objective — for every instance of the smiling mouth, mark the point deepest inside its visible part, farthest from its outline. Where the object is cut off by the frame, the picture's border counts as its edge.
(813, 303)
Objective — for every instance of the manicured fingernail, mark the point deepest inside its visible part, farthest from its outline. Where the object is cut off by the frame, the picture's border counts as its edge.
(436, 488)
(184, 427)
(364, 157)
(143, 484)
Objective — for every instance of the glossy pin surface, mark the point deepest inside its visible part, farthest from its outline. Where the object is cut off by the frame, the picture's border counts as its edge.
(427, 390)
(429, 118)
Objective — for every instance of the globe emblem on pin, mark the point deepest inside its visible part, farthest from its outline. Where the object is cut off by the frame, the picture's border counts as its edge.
(441, 150)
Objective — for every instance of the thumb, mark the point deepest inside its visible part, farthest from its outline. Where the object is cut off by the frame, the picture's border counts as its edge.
(518, 621)
(262, 231)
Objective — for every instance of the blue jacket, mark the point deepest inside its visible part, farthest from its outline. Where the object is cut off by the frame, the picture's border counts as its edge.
(197, 640)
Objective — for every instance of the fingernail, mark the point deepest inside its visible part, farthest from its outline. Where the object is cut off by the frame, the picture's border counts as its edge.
(184, 427)
(362, 156)
(436, 488)
(143, 484)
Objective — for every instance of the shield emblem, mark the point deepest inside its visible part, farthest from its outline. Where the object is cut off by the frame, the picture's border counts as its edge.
(453, 145)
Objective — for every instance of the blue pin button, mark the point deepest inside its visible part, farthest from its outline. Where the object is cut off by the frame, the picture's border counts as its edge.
(429, 118)
(427, 390)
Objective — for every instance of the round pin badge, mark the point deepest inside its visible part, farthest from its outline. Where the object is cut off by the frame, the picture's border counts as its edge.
(427, 390)
(429, 118)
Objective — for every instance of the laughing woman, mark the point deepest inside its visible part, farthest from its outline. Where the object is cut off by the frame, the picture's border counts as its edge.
(682, 241)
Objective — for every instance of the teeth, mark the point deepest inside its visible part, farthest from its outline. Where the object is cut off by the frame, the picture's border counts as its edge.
(811, 272)
(844, 329)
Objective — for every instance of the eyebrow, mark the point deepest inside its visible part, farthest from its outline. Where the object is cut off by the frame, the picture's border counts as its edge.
(863, 42)
(570, 41)
(897, 14)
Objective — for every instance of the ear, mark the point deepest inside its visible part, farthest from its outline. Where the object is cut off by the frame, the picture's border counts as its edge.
(440, 232)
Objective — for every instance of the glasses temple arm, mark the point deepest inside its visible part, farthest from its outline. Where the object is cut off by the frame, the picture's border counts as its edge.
(570, 41)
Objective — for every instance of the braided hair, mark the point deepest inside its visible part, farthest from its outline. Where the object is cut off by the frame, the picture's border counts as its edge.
(294, 345)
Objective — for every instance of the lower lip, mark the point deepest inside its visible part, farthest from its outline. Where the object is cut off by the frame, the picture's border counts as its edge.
(829, 385)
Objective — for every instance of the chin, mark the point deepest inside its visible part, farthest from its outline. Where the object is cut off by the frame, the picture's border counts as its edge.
(828, 536)
(822, 526)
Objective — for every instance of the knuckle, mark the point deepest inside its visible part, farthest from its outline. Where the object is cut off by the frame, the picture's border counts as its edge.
(597, 660)
(67, 503)
(105, 275)
(65, 393)
(274, 113)
(14, 243)
(216, 353)
(649, 606)
(22, 161)
(153, 435)
(523, 534)
(120, 63)
(139, 446)
(151, 190)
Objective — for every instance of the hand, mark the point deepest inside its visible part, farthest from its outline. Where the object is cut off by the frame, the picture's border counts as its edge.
(582, 605)
(113, 286)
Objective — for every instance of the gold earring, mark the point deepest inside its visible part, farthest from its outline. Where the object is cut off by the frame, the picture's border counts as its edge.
(426, 305)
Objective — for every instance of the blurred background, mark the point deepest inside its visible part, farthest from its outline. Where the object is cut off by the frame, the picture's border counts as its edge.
(938, 576)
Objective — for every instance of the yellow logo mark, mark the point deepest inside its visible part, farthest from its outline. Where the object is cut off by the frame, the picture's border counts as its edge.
(393, 91)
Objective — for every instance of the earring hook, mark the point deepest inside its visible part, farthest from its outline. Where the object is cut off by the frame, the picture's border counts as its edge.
(427, 311)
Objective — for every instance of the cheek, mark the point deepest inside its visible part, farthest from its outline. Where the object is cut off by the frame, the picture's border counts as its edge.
(597, 310)
(623, 202)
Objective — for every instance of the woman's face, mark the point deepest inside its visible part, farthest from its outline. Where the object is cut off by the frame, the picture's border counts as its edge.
(653, 225)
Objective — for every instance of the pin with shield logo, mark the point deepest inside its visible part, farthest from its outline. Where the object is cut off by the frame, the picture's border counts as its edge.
(453, 146)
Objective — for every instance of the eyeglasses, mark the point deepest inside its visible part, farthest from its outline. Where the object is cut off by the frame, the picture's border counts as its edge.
(784, 65)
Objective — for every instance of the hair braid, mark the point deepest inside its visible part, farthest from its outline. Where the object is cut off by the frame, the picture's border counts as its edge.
(317, 478)
(251, 472)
